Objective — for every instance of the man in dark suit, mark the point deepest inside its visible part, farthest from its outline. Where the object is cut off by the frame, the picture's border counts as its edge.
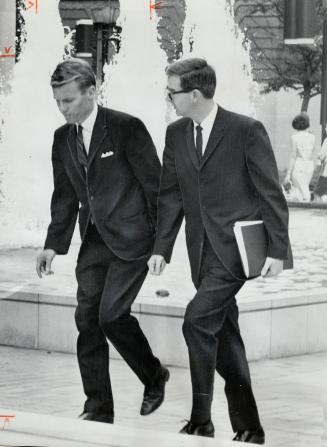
(218, 168)
(106, 170)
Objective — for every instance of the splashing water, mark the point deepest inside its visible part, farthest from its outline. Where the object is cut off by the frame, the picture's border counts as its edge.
(135, 81)
(210, 27)
(30, 118)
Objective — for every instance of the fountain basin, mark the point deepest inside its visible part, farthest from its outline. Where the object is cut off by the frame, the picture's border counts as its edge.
(278, 317)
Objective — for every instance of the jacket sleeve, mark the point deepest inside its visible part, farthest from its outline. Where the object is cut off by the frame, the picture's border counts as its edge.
(263, 172)
(170, 205)
(143, 159)
(64, 207)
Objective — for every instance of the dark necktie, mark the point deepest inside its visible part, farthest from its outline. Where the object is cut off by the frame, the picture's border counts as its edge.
(81, 152)
(199, 142)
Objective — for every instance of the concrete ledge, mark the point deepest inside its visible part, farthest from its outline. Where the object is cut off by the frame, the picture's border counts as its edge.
(38, 429)
(276, 326)
(311, 205)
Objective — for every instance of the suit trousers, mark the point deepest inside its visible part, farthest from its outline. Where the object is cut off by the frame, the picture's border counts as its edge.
(214, 342)
(107, 287)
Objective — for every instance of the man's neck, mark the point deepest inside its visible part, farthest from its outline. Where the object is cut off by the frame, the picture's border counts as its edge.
(202, 110)
(89, 112)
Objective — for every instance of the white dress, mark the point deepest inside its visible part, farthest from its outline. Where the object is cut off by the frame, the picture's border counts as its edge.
(303, 143)
(323, 156)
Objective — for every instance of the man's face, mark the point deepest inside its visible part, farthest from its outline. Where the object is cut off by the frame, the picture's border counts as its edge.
(74, 104)
(182, 102)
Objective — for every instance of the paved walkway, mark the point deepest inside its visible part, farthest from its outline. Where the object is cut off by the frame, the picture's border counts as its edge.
(289, 394)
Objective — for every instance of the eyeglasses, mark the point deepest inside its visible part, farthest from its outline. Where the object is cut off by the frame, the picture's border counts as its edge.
(171, 93)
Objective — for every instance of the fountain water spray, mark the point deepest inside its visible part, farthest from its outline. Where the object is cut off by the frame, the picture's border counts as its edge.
(30, 118)
(135, 81)
(211, 30)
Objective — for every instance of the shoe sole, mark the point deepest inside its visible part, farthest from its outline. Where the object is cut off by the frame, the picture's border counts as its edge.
(259, 441)
(207, 435)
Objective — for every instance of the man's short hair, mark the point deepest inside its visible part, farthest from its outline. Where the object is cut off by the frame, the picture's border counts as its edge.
(194, 73)
(73, 70)
(301, 121)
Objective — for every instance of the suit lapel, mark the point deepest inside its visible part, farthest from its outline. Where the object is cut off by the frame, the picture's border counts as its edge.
(216, 136)
(71, 142)
(99, 133)
(189, 134)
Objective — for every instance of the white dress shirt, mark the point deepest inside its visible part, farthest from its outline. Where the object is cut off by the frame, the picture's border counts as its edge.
(207, 125)
(88, 125)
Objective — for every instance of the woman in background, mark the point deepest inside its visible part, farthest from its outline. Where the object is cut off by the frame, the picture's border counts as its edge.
(301, 163)
(321, 188)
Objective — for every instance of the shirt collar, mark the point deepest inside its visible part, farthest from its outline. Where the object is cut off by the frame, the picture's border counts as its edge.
(208, 121)
(88, 124)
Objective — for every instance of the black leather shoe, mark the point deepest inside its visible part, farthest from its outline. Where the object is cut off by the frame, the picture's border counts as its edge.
(96, 417)
(255, 436)
(206, 429)
(154, 396)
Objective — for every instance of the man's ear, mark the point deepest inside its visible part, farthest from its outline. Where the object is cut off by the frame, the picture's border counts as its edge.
(91, 91)
(197, 95)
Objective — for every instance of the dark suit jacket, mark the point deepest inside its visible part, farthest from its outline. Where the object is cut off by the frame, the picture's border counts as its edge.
(237, 180)
(120, 191)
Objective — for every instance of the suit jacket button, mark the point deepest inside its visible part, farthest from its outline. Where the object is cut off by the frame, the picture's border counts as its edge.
(92, 197)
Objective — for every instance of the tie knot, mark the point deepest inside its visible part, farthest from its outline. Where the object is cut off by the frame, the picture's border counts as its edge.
(79, 129)
(198, 128)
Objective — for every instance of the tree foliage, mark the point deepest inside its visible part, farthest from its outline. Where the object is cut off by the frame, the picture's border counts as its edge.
(276, 65)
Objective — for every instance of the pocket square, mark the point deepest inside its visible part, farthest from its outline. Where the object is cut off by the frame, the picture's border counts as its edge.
(107, 154)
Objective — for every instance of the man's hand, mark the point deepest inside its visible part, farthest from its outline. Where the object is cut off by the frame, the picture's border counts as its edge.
(43, 262)
(156, 264)
(272, 267)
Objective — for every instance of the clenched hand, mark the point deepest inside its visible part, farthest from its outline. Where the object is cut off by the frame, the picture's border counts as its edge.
(43, 262)
(156, 264)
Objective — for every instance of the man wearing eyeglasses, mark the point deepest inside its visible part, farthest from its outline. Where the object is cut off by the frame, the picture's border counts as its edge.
(218, 168)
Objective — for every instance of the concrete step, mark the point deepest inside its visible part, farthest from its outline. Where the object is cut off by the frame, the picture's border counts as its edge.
(279, 317)
(52, 431)
(289, 323)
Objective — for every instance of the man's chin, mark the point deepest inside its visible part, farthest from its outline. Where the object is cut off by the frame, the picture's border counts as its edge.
(69, 120)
